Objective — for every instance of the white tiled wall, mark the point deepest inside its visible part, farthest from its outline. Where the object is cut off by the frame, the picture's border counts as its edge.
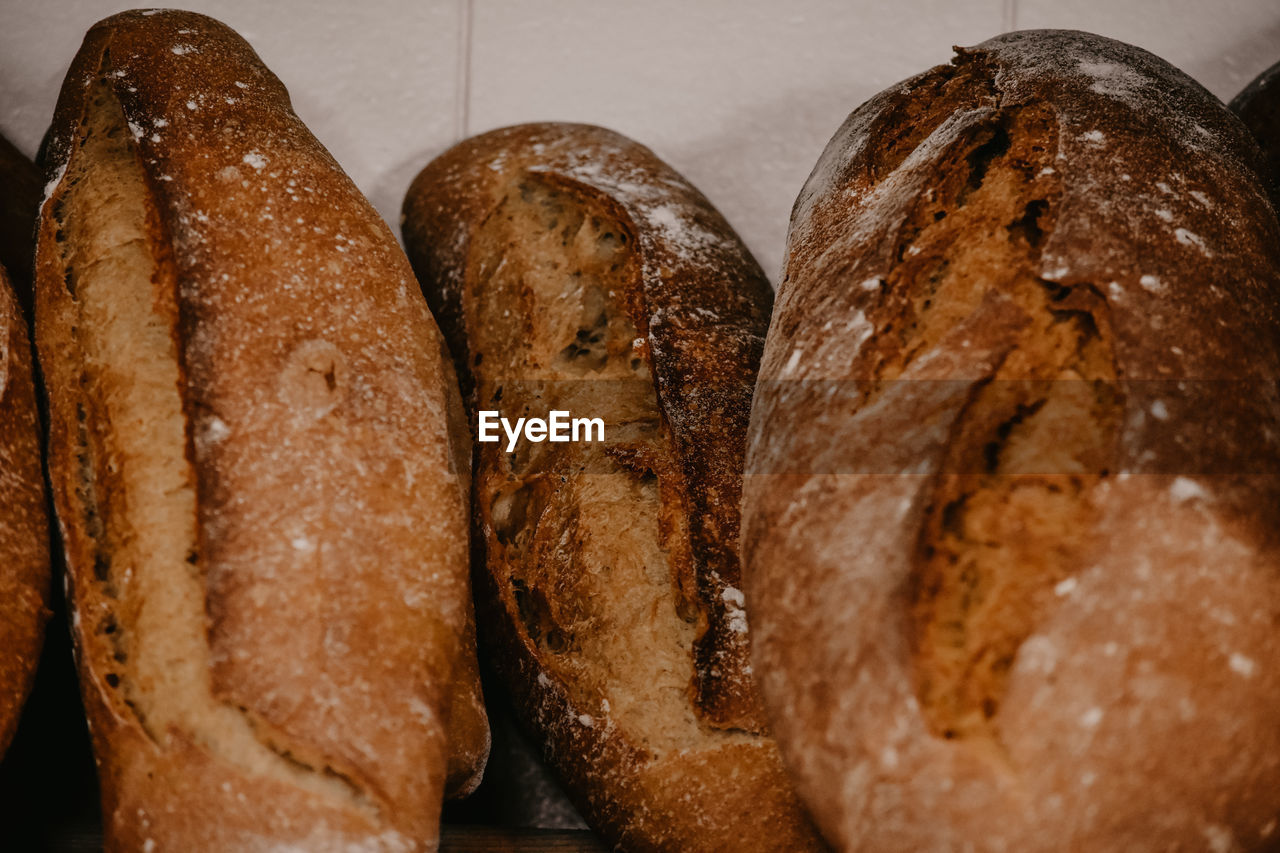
(740, 95)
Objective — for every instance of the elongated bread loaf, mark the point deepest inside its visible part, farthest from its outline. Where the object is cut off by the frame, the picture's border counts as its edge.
(258, 457)
(1258, 106)
(572, 270)
(1013, 480)
(24, 523)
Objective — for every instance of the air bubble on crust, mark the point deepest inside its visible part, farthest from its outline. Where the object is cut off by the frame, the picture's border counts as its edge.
(315, 378)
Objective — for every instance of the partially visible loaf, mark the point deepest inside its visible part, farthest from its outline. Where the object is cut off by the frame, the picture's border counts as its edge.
(1013, 480)
(20, 192)
(24, 524)
(258, 457)
(571, 269)
(1258, 106)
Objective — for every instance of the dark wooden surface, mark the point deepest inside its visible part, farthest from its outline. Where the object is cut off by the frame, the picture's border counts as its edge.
(497, 840)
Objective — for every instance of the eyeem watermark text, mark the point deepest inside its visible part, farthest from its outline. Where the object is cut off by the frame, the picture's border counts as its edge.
(558, 426)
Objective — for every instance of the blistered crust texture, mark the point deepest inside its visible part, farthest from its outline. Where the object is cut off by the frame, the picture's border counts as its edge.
(1011, 497)
(254, 451)
(572, 270)
(24, 524)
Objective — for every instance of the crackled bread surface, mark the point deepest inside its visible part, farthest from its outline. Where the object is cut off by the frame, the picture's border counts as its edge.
(146, 551)
(253, 448)
(24, 526)
(579, 525)
(24, 523)
(1009, 514)
(573, 271)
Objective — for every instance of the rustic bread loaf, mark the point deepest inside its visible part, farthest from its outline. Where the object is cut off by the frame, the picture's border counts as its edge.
(1258, 106)
(572, 270)
(1012, 495)
(258, 457)
(24, 523)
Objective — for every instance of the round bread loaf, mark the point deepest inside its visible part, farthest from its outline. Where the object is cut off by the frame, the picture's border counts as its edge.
(1013, 479)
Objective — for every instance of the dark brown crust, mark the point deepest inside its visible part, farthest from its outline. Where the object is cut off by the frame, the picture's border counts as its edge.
(1258, 106)
(700, 304)
(24, 523)
(702, 309)
(19, 200)
(344, 659)
(1157, 226)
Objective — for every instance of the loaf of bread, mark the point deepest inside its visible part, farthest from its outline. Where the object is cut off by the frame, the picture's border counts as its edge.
(572, 270)
(259, 462)
(1258, 106)
(24, 523)
(1012, 500)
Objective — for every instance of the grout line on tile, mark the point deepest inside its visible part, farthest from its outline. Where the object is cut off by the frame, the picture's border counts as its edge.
(462, 96)
(1010, 15)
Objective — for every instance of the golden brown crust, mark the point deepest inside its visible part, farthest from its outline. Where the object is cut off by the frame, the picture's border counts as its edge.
(313, 401)
(703, 329)
(24, 525)
(1010, 532)
(469, 736)
(663, 310)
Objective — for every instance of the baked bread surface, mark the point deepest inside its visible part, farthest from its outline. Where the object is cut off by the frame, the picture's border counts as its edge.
(24, 523)
(572, 270)
(258, 460)
(1010, 510)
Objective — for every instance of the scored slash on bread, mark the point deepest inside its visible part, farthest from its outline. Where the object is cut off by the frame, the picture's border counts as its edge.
(571, 269)
(1013, 474)
(259, 464)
